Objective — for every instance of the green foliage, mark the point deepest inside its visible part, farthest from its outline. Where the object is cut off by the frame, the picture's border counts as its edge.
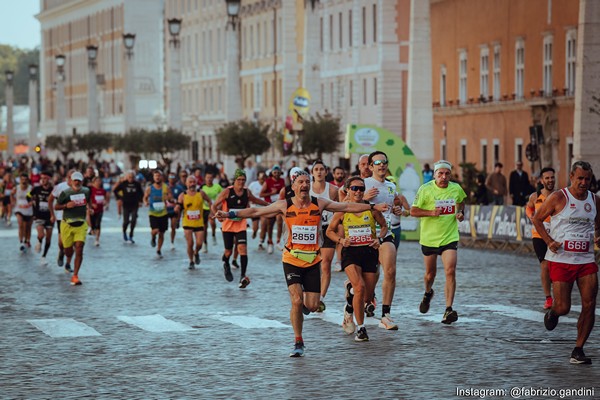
(95, 142)
(18, 61)
(65, 145)
(146, 142)
(469, 179)
(243, 139)
(322, 134)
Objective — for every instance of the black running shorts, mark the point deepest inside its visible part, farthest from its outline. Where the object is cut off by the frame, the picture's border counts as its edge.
(430, 251)
(540, 247)
(228, 239)
(365, 257)
(308, 277)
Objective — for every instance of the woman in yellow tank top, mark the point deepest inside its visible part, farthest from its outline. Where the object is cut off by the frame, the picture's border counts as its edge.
(359, 255)
(190, 203)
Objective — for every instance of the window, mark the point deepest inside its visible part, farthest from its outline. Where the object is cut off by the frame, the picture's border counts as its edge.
(484, 72)
(443, 149)
(462, 76)
(364, 92)
(351, 93)
(375, 91)
(340, 31)
(350, 28)
(569, 156)
(519, 150)
(496, 151)
(258, 41)
(364, 27)
(571, 57)
(484, 158)
(519, 68)
(374, 23)
(443, 86)
(331, 32)
(547, 72)
(497, 72)
(321, 41)
(463, 151)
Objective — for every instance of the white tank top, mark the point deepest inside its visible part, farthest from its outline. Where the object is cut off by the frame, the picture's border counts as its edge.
(326, 216)
(23, 206)
(573, 226)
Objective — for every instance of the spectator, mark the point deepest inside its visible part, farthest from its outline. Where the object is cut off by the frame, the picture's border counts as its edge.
(480, 195)
(496, 185)
(519, 186)
(427, 173)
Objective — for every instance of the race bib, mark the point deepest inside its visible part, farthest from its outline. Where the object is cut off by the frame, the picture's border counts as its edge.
(577, 243)
(360, 235)
(193, 215)
(304, 234)
(106, 186)
(158, 206)
(43, 206)
(99, 199)
(447, 206)
(78, 199)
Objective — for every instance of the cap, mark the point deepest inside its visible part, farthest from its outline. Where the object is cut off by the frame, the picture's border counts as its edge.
(294, 172)
(239, 172)
(76, 176)
(276, 168)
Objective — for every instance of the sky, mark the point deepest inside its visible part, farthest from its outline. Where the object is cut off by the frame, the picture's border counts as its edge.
(18, 26)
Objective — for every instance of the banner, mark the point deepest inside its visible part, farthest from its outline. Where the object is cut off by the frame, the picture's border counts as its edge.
(3, 142)
(501, 223)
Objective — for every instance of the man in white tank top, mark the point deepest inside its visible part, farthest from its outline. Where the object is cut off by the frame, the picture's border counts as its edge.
(570, 255)
(321, 189)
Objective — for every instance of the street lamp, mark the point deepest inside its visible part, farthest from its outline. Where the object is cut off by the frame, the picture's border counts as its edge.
(233, 11)
(92, 53)
(33, 107)
(175, 117)
(10, 130)
(129, 42)
(61, 110)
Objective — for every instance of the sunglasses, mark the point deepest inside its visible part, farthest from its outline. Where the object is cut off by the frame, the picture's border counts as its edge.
(357, 188)
(379, 162)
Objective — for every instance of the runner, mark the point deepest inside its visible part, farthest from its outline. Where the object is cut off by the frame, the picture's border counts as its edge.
(75, 201)
(212, 189)
(270, 192)
(301, 256)
(156, 197)
(548, 180)
(172, 214)
(231, 199)
(57, 215)
(131, 194)
(255, 188)
(191, 203)
(379, 190)
(38, 197)
(321, 189)
(570, 252)
(100, 201)
(440, 204)
(9, 185)
(359, 255)
(24, 211)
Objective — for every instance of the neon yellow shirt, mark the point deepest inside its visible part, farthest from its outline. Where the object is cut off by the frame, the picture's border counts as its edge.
(442, 230)
(212, 192)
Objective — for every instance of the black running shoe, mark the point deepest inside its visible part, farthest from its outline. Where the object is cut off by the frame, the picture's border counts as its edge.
(191, 266)
(424, 306)
(361, 335)
(234, 264)
(131, 240)
(305, 310)
(227, 271)
(68, 268)
(153, 241)
(245, 281)
(298, 350)
(370, 310)
(61, 259)
(550, 320)
(578, 357)
(197, 258)
(450, 316)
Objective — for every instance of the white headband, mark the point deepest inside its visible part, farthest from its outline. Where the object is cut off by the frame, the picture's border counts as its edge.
(442, 164)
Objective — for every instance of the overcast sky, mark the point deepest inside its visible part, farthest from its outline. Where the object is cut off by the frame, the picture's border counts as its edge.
(18, 26)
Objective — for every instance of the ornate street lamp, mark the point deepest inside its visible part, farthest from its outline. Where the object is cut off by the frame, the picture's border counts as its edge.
(33, 70)
(174, 30)
(61, 110)
(8, 94)
(233, 11)
(130, 114)
(129, 42)
(92, 53)
(33, 108)
(93, 123)
(175, 113)
(9, 77)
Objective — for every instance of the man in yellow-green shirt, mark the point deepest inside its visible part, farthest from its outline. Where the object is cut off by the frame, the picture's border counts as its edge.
(440, 205)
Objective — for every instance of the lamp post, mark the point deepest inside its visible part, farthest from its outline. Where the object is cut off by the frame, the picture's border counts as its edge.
(93, 123)
(61, 106)
(10, 129)
(33, 107)
(175, 117)
(129, 42)
(234, 91)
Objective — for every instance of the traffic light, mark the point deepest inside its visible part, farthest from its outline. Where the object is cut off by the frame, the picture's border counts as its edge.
(38, 148)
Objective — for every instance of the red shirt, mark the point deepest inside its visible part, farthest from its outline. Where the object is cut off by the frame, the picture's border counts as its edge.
(98, 199)
(273, 184)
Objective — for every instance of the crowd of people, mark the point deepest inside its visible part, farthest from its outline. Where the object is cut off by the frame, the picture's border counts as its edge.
(320, 215)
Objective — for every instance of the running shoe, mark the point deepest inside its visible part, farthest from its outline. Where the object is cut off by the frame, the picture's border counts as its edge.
(159, 255)
(245, 281)
(450, 316)
(191, 266)
(131, 240)
(214, 240)
(234, 264)
(60, 260)
(22, 248)
(349, 292)
(205, 249)
(361, 335)
(172, 246)
(548, 303)
(298, 350)
(278, 246)
(227, 271)
(125, 238)
(38, 246)
(270, 248)
(550, 320)
(322, 307)
(261, 246)
(578, 357)
(305, 310)
(197, 259)
(8, 223)
(153, 241)
(424, 306)
(68, 268)
(337, 267)
(348, 323)
(370, 307)
(43, 261)
(97, 243)
(75, 280)
(388, 323)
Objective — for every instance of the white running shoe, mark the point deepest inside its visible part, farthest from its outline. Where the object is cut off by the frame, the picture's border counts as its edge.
(388, 323)
(270, 249)
(214, 240)
(43, 261)
(38, 247)
(337, 267)
(279, 246)
(97, 243)
(348, 323)
(205, 249)
(172, 246)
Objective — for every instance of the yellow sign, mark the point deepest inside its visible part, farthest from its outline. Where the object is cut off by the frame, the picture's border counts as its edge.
(297, 112)
(3, 142)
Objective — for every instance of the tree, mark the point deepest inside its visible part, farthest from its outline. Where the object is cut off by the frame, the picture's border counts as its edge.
(17, 60)
(243, 139)
(165, 143)
(65, 145)
(321, 134)
(95, 142)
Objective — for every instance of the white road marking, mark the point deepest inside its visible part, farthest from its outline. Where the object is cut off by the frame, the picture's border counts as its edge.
(250, 322)
(577, 308)
(155, 323)
(517, 312)
(63, 327)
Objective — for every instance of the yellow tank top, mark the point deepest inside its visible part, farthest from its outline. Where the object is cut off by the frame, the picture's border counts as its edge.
(359, 228)
(192, 211)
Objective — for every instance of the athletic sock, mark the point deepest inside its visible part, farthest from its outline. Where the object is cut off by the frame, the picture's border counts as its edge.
(225, 259)
(244, 264)
(349, 309)
(299, 339)
(46, 247)
(385, 309)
